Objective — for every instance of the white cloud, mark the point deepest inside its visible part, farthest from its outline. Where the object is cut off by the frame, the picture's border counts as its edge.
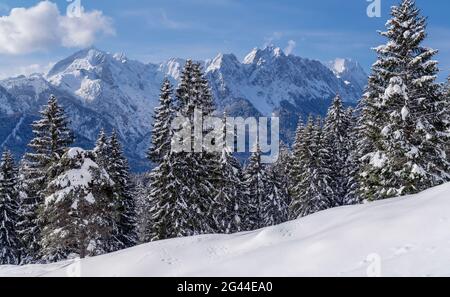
(170, 23)
(275, 36)
(41, 27)
(13, 70)
(290, 47)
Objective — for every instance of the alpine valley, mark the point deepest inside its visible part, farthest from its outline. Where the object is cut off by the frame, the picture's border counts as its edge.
(102, 90)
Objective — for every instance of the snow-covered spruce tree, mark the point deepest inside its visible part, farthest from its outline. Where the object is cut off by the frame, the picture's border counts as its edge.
(254, 182)
(164, 114)
(226, 209)
(282, 169)
(174, 210)
(210, 161)
(202, 173)
(10, 243)
(403, 64)
(201, 87)
(185, 91)
(143, 206)
(351, 167)
(182, 187)
(311, 188)
(274, 206)
(336, 142)
(102, 150)
(168, 211)
(77, 209)
(400, 166)
(369, 125)
(295, 170)
(52, 136)
(125, 233)
(447, 100)
(109, 156)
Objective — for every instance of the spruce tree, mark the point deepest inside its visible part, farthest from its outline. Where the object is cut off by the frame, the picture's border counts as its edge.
(168, 210)
(351, 168)
(311, 189)
(77, 209)
(162, 121)
(254, 181)
(143, 207)
(174, 211)
(370, 123)
(183, 186)
(274, 206)
(118, 170)
(403, 89)
(10, 243)
(201, 87)
(102, 150)
(209, 161)
(446, 97)
(52, 137)
(282, 170)
(336, 142)
(185, 91)
(109, 156)
(295, 171)
(194, 172)
(226, 209)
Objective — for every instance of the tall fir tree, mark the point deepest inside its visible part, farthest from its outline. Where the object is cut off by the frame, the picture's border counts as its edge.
(164, 114)
(282, 168)
(254, 181)
(52, 137)
(169, 211)
(10, 243)
(336, 141)
(182, 188)
(295, 171)
(311, 188)
(201, 87)
(143, 207)
(226, 209)
(402, 90)
(185, 91)
(369, 125)
(274, 206)
(102, 150)
(351, 168)
(447, 100)
(200, 175)
(118, 169)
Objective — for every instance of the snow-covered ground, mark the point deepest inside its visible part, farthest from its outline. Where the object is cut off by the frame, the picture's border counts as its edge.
(408, 236)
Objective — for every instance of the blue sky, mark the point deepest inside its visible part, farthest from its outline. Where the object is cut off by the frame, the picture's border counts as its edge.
(155, 30)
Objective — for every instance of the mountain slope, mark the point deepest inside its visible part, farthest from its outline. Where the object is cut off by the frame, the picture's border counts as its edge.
(268, 77)
(350, 72)
(400, 237)
(273, 83)
(126, 89)
(29, 95)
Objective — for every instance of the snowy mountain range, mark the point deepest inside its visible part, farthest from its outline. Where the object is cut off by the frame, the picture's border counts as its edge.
(103, 90)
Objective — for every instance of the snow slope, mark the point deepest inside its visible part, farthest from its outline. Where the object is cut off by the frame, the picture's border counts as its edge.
(400, 237)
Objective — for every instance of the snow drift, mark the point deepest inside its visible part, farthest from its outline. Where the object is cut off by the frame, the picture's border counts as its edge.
(407, 236)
